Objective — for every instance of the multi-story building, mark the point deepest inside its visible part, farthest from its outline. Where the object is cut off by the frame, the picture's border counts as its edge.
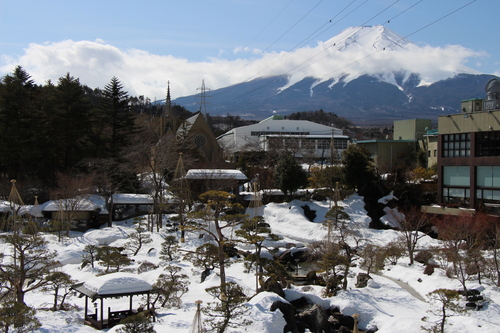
(389, 154)
(469, 153)
(301, 137)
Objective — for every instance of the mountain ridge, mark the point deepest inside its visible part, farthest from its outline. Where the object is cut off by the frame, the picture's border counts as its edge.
(382, 82)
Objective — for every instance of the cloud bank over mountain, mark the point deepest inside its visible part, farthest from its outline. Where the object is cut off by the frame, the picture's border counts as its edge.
(354, 52)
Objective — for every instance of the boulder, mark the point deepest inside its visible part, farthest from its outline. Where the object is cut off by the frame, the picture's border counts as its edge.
(315, 319)
(288, 312)
(362, 280)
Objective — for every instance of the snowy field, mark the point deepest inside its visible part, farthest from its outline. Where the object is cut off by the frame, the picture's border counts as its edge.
(385, 304)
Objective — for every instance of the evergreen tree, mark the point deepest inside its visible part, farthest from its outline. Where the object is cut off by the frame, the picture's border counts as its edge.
(118, 117)
(28, 261)
(289, 175)
(256, 232)
(17, 93)
(224, 214)
(59, 284)
(230, 310)
(138, 323)
(171, 286)
(16, 317)
(71, 124)
(357, 167)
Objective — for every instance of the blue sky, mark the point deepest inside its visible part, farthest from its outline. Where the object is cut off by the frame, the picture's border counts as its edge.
(201, 34)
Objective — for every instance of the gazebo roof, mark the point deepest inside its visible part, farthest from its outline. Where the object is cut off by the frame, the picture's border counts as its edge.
(113, 285)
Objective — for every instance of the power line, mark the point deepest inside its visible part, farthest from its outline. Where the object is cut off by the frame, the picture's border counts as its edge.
(373, 53)
(371, 18)
(298, 45)
(282, 35)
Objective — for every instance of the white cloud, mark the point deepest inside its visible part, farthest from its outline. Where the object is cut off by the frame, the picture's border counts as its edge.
(143, 73)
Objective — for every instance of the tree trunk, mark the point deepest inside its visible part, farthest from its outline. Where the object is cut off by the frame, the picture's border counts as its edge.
(56, 293)
(221, 257)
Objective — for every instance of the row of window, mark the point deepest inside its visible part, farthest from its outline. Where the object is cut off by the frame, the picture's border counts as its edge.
(456, 184)
(311, 143)
(260, 133)
(458, 145)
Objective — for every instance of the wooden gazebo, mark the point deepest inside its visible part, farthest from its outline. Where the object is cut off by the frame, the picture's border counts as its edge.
(107, 286)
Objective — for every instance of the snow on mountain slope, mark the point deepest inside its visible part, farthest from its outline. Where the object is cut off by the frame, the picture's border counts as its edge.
(376, 51)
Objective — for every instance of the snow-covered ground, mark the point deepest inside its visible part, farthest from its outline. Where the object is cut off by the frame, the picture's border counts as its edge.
(385, 304)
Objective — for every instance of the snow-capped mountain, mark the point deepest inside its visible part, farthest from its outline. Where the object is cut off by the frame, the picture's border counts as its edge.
(368, 74)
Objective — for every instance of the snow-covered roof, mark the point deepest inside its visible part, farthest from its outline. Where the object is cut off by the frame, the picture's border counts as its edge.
(130, 198)
(6, 207)
(114, 284)
(215, 174)
(86, 203)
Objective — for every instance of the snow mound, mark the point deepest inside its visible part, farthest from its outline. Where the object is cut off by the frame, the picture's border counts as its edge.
(263, 319)
(106, 236)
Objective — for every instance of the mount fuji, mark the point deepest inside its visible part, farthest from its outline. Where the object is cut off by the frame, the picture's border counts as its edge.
(368, 74)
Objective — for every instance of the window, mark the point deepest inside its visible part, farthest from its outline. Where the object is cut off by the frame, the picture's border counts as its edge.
(488, 176)
(456, 145)
(456, 185)
(488, 143)
(323, 144)
(435, 153)
(340, 144)
(456, 176)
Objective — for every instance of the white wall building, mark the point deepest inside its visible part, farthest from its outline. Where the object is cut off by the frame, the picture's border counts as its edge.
(275, 132)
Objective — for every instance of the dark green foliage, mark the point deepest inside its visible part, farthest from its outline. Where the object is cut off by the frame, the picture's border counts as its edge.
(230, 311)
(111, 257)
(448, 302)
(204, 257)
(357, 167)
(89, 255)
(139, 237)
(55, 127)
(59, 284)
(321, 117)
(139, 323)
(170, 287)
(169, 248)
(117, 117)
(289, 175)
(16, 317)
(34, 262)
(256, 232)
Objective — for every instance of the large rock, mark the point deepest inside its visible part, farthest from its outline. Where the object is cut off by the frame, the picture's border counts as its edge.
(315, 318)
(288, 312)
(362, 280)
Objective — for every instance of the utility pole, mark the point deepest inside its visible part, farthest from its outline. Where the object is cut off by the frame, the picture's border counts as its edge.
(203, 98)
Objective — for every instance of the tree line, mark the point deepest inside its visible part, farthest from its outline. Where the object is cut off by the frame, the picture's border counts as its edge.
(67, 127)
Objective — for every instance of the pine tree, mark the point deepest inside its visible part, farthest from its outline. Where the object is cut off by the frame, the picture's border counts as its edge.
(289, 175)
(28, 261)
(137, 324)
(16, 317)
(17, 94)
(230, 311)
(356, 167)
(119, 119)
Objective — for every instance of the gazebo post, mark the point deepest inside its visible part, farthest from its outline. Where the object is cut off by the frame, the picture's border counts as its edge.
(130, 304)
(102, 313)
(86, 307)
(148, 301)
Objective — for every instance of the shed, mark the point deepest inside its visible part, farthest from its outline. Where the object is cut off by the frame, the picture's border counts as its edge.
(112, 285)
(202, 180)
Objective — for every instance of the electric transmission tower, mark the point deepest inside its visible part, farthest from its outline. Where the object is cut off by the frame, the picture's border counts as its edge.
(203, 98)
